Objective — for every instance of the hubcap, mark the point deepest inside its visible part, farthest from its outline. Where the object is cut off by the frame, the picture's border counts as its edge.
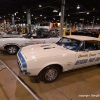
(51, 74)
(12, 50)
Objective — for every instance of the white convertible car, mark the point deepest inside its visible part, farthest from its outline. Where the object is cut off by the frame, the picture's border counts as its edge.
(13, 43)
(48, 60)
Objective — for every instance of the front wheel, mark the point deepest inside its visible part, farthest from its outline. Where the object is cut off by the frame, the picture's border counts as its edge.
(50, 74)
(11, 49)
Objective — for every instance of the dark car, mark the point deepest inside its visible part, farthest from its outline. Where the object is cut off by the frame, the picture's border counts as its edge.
(42, 32)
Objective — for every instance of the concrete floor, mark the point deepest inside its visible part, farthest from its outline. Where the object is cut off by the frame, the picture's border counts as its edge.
(71, 85)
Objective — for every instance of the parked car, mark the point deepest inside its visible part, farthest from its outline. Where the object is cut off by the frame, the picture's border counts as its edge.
(42, 32)
(85, 33)
(12, 43)
(47, 61)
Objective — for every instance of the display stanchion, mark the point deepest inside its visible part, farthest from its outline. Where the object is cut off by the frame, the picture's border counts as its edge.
(70, 31)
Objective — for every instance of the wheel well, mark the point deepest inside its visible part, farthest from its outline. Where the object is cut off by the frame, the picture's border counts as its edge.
(10, 45)
(59, 66)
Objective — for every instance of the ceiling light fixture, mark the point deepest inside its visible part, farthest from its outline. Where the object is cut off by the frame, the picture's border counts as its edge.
(32, 15)
(55, 11)
(24, 12)
(40, 5)
(87, 13)
(78, 7)
(44, 17)
(81, 18)
(53, 18)
(68, 15)
(40, 15)
(97, 18)
(59, 13)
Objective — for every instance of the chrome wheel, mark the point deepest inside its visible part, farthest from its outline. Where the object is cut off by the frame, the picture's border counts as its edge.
(11, 50)
(51, 74)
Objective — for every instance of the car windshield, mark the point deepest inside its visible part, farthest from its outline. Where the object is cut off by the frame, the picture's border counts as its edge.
(69, 43)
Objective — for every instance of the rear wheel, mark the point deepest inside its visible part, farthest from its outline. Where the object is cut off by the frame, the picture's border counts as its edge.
(50, 73)
(11, 49)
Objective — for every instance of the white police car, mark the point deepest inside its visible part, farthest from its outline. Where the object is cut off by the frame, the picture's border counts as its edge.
(48, 60)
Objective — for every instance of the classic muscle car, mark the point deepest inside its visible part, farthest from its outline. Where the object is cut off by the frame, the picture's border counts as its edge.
(47, 61)
(13, 43)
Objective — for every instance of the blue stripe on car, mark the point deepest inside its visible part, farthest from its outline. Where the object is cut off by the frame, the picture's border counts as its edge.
(24, 65)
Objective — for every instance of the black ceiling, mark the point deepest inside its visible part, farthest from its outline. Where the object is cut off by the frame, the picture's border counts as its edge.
(72, 14)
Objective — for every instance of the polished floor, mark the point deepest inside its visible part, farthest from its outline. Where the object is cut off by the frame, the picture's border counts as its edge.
(81, 84)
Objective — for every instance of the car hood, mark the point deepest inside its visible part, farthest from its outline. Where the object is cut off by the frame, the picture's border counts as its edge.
(43, 50)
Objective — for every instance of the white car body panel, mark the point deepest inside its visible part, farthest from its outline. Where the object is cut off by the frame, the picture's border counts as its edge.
(20, 42)
(37, 57)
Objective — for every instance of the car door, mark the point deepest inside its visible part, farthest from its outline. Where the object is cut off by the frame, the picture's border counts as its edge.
(88, 56)
(94, 51)
(82, 56)
(97, 61)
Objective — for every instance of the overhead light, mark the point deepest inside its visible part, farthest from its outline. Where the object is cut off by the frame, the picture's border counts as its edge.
(91, 22)
(44, 17)
(8, 14)
(40, 15)
(81, 18)
(40, 5)
(35, 18)
(78, 7)
(68, 15)
(15, 14)
(57, 20)
(97, 18)
(96, 23)
(32, 15)
(87, 13)
(4, 16)
(53, 18)
(0, 17)
(59, 13)
(24, 12)
(55, 11)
